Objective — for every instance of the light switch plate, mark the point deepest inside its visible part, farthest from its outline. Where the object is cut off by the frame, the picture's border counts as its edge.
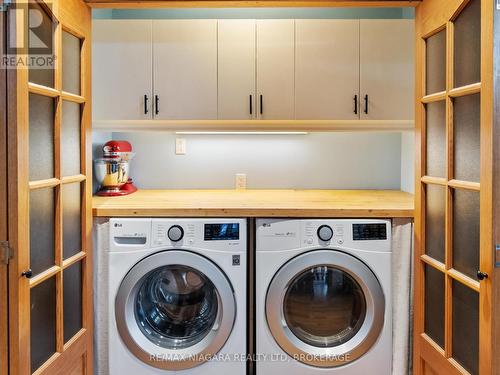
(180, 146)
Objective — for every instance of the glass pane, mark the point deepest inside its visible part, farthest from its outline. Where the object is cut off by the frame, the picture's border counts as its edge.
(467, 45)
(324, 306)
(466, 117)
(72, 219)
(41, 43)
(70, 139)
(436, 63)
(71, 63)
(176, 306)
(466, 231)
(72, 281)
(434, 305)
(43, 322)
(435, 221)
(42, 218)
(466, 327)
(41, 137)
(436, 139)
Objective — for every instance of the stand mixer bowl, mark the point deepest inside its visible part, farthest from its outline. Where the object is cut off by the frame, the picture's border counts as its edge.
(111, 174)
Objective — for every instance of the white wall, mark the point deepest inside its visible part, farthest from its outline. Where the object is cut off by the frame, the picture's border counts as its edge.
(313, 161)
(408, 161)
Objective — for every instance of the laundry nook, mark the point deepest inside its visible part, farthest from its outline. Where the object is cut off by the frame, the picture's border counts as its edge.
(271, 187)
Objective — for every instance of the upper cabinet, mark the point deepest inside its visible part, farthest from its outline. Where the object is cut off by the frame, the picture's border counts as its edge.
(256, 69)
(387, 69)
(185, 69)
(236, 69)
(253, 69)
(275, 69)
(122, 74)
(327, 69)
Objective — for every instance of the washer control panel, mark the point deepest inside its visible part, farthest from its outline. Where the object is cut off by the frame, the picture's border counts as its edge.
(217, 234)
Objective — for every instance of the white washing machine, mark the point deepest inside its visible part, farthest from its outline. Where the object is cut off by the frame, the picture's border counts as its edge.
(323, 297)
(177, 296)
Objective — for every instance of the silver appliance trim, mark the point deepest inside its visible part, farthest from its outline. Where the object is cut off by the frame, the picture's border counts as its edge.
(342, 354)
(174, 359)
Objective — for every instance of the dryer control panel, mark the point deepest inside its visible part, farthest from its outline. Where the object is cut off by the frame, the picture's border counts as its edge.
(361, 234)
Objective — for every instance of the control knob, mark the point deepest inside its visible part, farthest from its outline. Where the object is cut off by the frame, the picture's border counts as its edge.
(175, 233)
(325, 233)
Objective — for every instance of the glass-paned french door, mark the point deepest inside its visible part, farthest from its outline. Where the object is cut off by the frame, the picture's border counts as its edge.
(453, 195)
(51, 330)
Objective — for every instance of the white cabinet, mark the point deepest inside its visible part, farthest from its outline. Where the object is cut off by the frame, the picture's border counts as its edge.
(275, 69)
(326, 69)
(122, 73)
(236, 73)
(387, 69)
(253, 69)
(185, 69)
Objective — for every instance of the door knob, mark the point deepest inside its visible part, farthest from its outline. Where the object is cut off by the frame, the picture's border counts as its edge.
(28, 273)
(481, 275)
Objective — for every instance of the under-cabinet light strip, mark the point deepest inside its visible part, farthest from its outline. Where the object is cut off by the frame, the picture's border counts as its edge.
(244, 132)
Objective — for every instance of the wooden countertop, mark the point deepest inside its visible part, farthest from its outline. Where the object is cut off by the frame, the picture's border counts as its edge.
(257, 203)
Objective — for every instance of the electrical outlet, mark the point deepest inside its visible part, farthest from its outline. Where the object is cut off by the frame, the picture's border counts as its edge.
(241, 181)
(180, 146)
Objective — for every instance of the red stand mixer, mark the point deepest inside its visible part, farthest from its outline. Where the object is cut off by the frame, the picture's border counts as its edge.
(112, 171)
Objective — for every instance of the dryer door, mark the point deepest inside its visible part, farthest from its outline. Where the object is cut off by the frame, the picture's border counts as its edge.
(175, 309)
(325, 308)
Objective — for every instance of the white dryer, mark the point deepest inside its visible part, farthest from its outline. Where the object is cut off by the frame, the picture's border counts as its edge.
(177, 296)
(323, 297)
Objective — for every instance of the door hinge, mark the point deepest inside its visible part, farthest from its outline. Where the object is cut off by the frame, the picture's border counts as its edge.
(5, 5)
(5, 252)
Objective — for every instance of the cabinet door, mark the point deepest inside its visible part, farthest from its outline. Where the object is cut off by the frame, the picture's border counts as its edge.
(185, 69)
(327, 69)
(275, 69)
(387, 60)
(236, 75)
(122, 74)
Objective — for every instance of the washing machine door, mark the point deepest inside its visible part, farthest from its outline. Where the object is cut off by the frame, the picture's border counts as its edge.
(325, 308)
(175, 309)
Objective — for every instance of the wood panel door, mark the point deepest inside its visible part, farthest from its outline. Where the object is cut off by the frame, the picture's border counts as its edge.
(50, 276)
(236, 69)
(327, 69)
(3, 205)
(123, 80)
(387, 69)
(275, 69)
(454, 266)
(185, 69)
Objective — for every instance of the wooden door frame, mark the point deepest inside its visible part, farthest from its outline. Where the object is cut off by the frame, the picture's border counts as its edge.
(76, 354)
(495, 92)
(430, 18)
(4, 355)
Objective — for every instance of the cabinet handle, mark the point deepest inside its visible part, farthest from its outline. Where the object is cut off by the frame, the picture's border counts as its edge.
(366, 103)
(356, 104)
(146, 104)
(251, 105)
(157, 105)
(261, 104)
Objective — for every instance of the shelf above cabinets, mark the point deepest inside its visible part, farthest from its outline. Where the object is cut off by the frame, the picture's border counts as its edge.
(253, 75)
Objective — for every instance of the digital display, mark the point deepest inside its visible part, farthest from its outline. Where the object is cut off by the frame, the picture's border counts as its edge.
(222, 232)
(369, 232)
